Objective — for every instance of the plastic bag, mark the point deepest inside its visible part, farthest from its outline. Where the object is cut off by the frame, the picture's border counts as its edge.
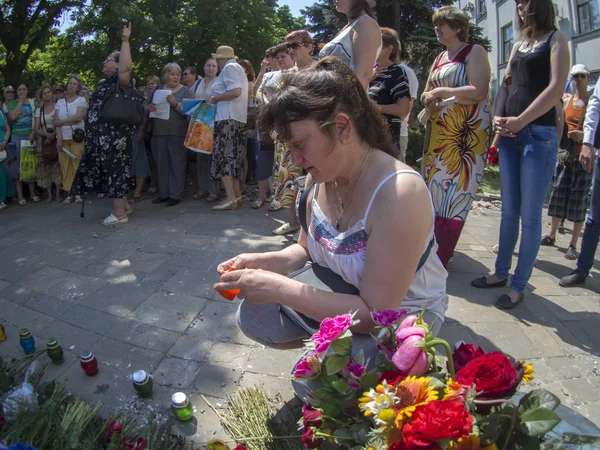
(21, 398)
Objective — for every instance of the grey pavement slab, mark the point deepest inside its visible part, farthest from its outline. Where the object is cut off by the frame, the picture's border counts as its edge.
(144, 335)
(168, 310)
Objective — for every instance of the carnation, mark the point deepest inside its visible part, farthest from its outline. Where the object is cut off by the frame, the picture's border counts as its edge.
(388, 317)
(330, 330)
(436, 421)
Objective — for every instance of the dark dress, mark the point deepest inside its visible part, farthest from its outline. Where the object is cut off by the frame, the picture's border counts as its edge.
(106, 163)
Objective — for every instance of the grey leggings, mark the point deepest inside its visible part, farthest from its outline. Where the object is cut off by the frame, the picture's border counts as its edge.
(267, 325)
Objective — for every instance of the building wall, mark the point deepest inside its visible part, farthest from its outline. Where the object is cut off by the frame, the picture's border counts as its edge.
(584, 46)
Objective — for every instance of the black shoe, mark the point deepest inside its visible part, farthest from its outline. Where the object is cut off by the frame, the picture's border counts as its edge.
(505, 301)
(575, 278)
(481, 283)
(173, 202)
(158, 200)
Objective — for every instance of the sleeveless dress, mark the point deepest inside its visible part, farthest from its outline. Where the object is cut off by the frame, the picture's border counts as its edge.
(456, 145)
(345, 254)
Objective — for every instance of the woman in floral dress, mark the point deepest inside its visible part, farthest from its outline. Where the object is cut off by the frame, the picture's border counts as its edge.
(106, 164)
(457, 135)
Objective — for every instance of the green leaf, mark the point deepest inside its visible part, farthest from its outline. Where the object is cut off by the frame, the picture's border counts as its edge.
(342, 346)
(360, 357)
(539, 421)
(321, 394)
(368, 380)
(335, 363)
(538, 398)
(340, 385)
(524, 442)
(332, 408)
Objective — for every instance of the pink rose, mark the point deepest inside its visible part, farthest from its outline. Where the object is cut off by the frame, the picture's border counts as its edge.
(388, 317)
(329, 331)
(410, 360)
(308, 366)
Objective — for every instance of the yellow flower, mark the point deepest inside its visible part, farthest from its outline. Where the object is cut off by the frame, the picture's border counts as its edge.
(528, 375)
(458, 142)
(411, 393)
(471, 443)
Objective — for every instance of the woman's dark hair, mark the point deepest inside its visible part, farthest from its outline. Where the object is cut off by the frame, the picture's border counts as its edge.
(455, 18)
(280, 48)
(116, 55)
(389, 37)
(540, 18)
(247, 66)
(270, 51)
(327, 88)
(19, 84)
(357, 9)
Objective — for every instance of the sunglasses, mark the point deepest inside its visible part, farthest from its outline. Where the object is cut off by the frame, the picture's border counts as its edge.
(186, 73)
(110, 59)
(296, 45)
(580, 75)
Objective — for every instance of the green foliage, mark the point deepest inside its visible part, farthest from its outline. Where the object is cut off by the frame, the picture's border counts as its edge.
(335, 363)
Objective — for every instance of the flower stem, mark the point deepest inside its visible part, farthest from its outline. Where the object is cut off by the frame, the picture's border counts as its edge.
(335, 420)
(446, 346)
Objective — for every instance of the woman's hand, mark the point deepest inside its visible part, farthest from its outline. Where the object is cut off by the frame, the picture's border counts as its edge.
(152, 107)
(508, 126)
(212, 100)
(31, 137)
(172, 100)
(264, 64)
(587, 156)
(242, 261)
(255, 285)
(428, 97)
(126, 33)
(576, 135)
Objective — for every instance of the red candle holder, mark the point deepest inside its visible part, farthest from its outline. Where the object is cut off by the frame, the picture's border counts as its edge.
(89, 363)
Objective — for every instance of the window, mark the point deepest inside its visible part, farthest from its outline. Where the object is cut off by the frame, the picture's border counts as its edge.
(588, 15)
(507, 41)
(481, 7)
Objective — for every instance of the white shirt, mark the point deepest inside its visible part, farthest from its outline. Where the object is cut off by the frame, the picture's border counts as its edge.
(232, 77)
(413, 87)
(65, 110)
(592, 115)
(203, 90)
(196, 89)
(48, 120)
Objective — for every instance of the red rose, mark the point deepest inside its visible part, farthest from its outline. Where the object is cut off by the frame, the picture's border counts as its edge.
(312, 417)
(493, 374)
(410, 444)
(464, 354)
(493, 156)
(240, 447)
(392, 377)
(309, 440)
(435, 421)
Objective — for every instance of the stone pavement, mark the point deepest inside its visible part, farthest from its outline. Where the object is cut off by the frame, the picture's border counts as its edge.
(140, 296)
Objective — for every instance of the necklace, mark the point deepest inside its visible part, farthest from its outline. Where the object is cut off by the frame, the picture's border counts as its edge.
(339, 213)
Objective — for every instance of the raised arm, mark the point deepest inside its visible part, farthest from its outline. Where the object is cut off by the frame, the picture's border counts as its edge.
(125, 64)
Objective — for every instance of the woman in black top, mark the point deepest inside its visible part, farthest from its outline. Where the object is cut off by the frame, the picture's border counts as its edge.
(389, 86)
(526, 120)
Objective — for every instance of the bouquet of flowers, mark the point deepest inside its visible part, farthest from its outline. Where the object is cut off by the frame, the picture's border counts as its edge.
(414, 397)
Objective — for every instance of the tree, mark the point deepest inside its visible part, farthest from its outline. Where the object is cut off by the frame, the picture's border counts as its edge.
(25, 26)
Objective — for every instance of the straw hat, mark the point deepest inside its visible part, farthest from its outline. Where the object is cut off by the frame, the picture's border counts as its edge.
(224, 52)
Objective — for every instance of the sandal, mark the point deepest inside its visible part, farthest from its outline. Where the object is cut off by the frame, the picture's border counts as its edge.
(257, 204)
(212, 198)
(286, 228)
(35, 199)
(274, 208)
(136, 199)
(129, 211)
(3, 206)
(571, 253)
(226, 206)
(78, 199)
(113, 220)
(548, 241)
(505, 302)
(22, 202)
(68, 200)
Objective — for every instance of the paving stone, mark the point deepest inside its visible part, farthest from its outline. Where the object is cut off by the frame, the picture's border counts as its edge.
(49, 305)
(6, 306)
(198, 283)
(587, 333)
(508, 337)
(168, 310)
(565, 367)
(120, 297)
(216, 379)
(44, 279)
(125, 357)
(453, 332)
(70, 337)
(230, 355)
(17, 294)
(176, 372)
(217, 321)
(192, 241)
(90, 319)
(24, 317)
(580, 390)
(76, 287)
(4, 284)
(144, 262)
(110, 270)
(143, 335)
(191, 348)
(273, 386)
(278, 363)
(165, 249)
(193, 259)
(55, 372)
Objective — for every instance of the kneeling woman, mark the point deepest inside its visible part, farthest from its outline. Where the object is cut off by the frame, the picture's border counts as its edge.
(370, 217)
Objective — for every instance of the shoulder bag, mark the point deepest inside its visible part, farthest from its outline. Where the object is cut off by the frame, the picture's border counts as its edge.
(77, 134)
(49, 151)
(321, 277)
(123, 104)
(567, 148)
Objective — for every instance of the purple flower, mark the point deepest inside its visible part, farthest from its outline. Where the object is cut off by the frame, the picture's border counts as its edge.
(329, 331)
(353, 370)
(308, 366)
(388, 317)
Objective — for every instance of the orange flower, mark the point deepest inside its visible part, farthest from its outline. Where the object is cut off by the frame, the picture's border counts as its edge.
(528, 374)
(471, 443)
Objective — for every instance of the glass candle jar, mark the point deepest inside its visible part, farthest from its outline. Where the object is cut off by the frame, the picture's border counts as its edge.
(89, 363)
(55, 352)
(142, 383)
(2, 333)
(181, 407)
(27, 341)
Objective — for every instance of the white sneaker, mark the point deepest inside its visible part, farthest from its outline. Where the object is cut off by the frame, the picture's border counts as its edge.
(286, 228)
(113, 220)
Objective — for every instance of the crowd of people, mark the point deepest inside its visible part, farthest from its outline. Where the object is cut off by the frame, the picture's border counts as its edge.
(330, 136)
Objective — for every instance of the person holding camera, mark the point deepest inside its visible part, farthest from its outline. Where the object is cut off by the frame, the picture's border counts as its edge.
(70, 134)
(48, 168)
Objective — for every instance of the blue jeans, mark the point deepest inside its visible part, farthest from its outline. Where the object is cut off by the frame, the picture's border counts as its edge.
(591, 234)
(527, 163)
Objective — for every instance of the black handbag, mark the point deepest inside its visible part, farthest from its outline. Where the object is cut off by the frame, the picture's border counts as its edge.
(123, 104)
(323, 278)
(77, 134)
